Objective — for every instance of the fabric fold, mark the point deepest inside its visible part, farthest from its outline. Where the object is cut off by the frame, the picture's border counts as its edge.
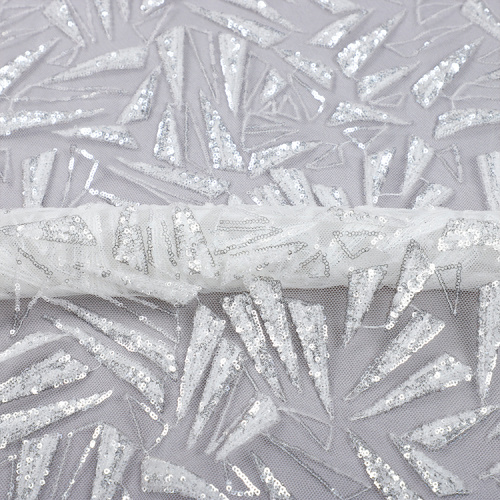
(174, 252)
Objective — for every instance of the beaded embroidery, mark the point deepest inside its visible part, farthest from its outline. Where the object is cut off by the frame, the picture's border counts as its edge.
(356, 54)
(122, 365)
(297, 266)
(226, 366)
(442, 373)
(387, 481)
(14, 426)
(435, 435)
(53, 371)
(441, 481)
(207, 330)
(267, 296)
(36, 173)
(363, 284)
(260, 416)
(33, 465)
(419, 331)
(310, 323)
(246, 322)
(167, 477)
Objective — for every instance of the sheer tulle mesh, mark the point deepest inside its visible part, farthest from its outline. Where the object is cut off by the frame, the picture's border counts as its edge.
(249, 249)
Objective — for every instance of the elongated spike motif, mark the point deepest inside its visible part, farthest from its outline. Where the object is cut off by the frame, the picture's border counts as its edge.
(293, 182)
(267, 296)
(363, 284)
(226, 366)
(264, 10)
(489, 165)
(130, 58)
(348, 112)
(70, 229)
(115, 451)
(274, 83)
(108, 134)
(129, 245)
(207, 330)
(171, 50)
(191, 243)
(166, 477)
(310, 322)
(316, 70)
(58, 369)
(122, 365)
(14, 426)
(223, 150)
(355, 55)
(246, 322)
(488, 335)
(36, 173)
(435, 435)
(337, 6)
(442, 373)
(132, 339)
(28, 343)
(260, 416)
(276, 489)
(254, 31)
(371, 85)
(104, 11)
(331, 35)
(387, 481)
(60, 15)
(149, 6)
(430, 85)
(331, 197)
(415, 271)
(33, 465)
(268, 195)
(376, 169)
(233, 57)
(167, 147)
(268, 158)
(441, 481)
(13, 71)
(205, 185)
(139, 107)
(457, 120)
(418, 332)
(23, 120)
(434, 195)
(478, 13)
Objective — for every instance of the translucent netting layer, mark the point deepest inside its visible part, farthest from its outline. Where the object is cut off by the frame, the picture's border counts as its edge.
(249, 249)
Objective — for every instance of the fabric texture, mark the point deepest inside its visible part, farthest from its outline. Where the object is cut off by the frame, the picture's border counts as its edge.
(249, 249)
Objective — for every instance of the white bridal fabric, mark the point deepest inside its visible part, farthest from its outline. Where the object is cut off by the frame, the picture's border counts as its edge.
(249, 249)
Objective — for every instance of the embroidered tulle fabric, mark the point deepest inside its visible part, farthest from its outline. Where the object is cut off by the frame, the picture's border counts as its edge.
(249, 249)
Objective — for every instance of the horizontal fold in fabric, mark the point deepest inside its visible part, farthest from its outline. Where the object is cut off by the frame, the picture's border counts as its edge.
(174, 252)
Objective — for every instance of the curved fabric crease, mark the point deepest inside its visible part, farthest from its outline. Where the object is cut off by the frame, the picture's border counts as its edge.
(217, 248)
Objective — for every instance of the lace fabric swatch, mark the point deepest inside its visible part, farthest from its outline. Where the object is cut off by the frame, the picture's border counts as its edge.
(249, 249)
